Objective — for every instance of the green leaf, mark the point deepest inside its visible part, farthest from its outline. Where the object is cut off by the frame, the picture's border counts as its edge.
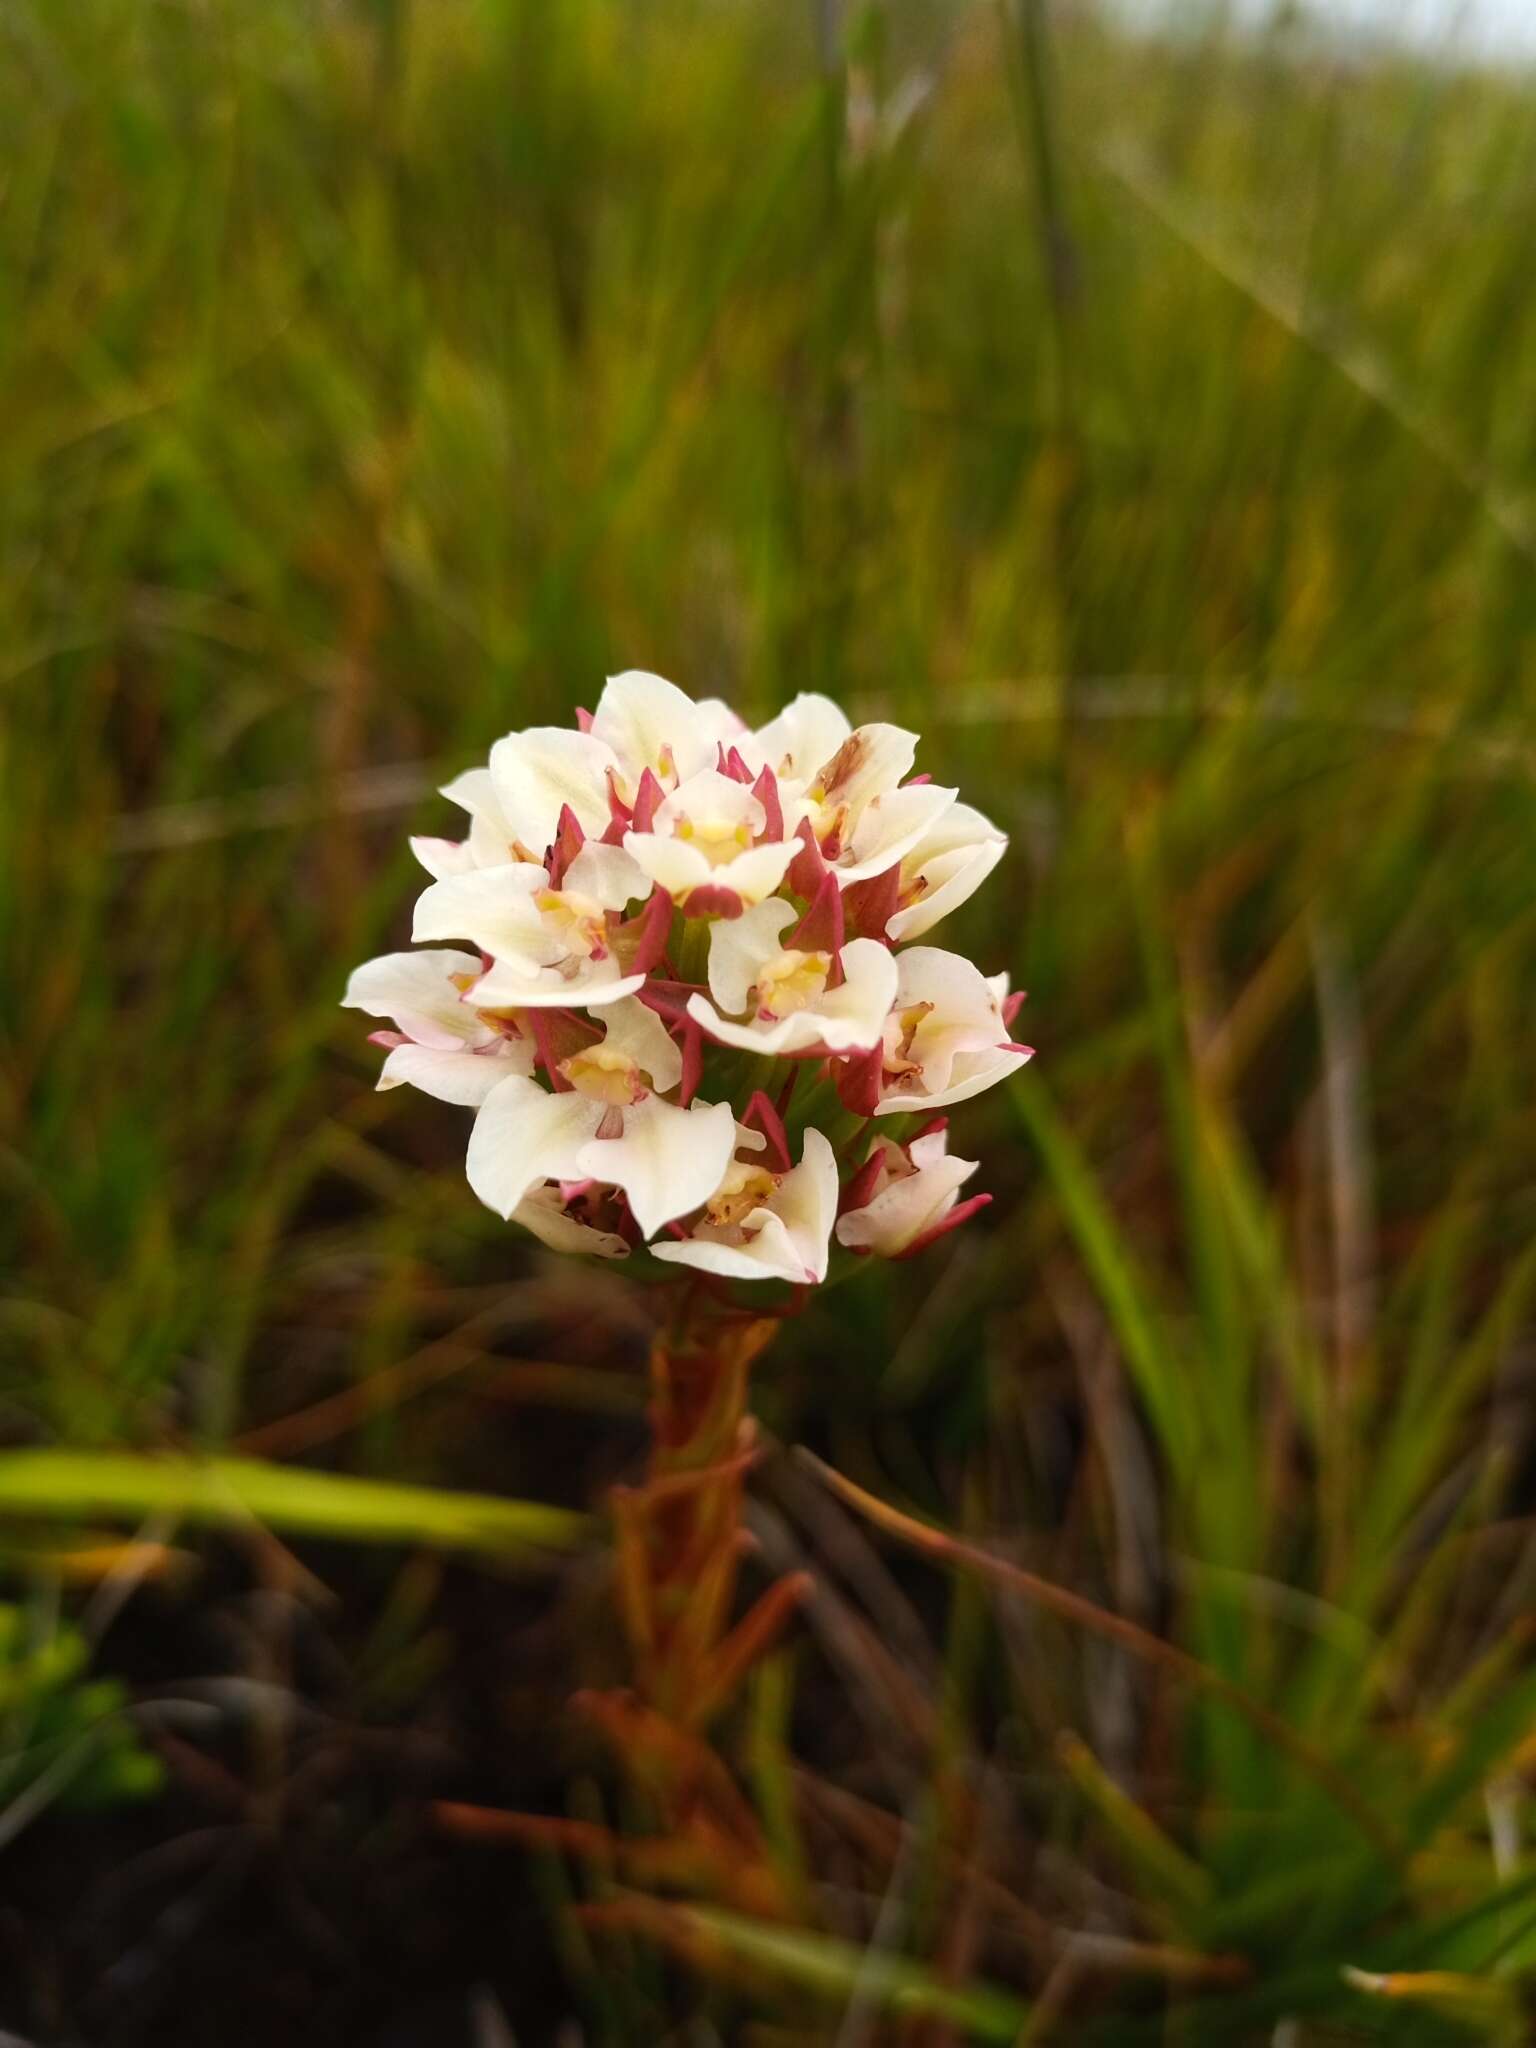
(833, 1969)
(62, 1484)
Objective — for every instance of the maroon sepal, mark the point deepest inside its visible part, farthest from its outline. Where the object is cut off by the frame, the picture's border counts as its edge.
(821, 928)
(669, 999)
(1013, 1004)
(766, 790)
(1009, 1046)
(620, 815)
(733, 766)
(712, 899)
(807, 867)
(389, 1039)
(915, 781)
(583, 720)
(868, 907)
(858, 1080)
(761, 1115)
(647, 797)
(652, 928)
(568, 841)
(961, 1213)
(693, 1063)
(860, 1187)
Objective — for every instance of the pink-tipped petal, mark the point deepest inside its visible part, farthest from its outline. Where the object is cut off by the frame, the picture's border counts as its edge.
(951, 1220)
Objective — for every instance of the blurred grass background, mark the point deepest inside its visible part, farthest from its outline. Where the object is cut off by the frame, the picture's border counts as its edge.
(1150, 424)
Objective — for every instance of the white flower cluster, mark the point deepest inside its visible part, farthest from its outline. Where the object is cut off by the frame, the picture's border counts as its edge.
(686, 970)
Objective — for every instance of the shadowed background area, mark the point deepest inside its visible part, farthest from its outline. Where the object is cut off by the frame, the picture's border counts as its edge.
(1148, 423)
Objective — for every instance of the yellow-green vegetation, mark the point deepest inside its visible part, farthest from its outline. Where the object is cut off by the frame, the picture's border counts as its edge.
(1151, 427)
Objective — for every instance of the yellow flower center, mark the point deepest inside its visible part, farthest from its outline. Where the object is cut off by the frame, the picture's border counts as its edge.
(900, 1031)
(790, 981)
(578, 923)
(717, 840)
(605, 1075)
(744, 1189)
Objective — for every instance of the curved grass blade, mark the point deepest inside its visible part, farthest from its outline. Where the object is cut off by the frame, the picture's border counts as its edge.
(64, 1485)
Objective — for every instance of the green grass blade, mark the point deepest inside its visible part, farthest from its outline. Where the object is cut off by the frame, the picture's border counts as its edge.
(62, 1484)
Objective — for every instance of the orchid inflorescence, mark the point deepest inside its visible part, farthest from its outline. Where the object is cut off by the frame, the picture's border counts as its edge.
(693, 962)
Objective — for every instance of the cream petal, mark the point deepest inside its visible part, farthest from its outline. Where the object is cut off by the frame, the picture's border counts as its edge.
(731, 1261)
(677, 866)
(651, 723)
(787, 1239)
(889, 826)
(854, 1014)
(489, 843)
(902, 1211)
(869, 763)
(794, 1033)
(635, 1030)
(545, 1215)
(952, 880)
(417, 992)
(524, 1135)
(738, 947)
(537, 772)
(845, 1018)
(668, 1161)
(807, 1201)
(957, 988)
(443, 857)
(493, 907)
(757, 872)
(710, 798)
(462, 1077)
(970, 1074)
(805, 734)
(516, 985)
(607, 874)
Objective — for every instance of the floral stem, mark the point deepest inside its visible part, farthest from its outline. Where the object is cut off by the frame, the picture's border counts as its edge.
(679, 1532)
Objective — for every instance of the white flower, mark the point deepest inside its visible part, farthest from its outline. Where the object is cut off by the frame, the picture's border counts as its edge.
(442, 1044)
(946, 1038)
(847, 784)
(807, 732)
(762, 1225)
(786, 988)
(805, 855)
(555, 1216)
(650, 724)
(642, 723)
(607, 1122)
(946, 866)
(550, 945)
(704, 847)
(490, 843)
(905, 1195)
